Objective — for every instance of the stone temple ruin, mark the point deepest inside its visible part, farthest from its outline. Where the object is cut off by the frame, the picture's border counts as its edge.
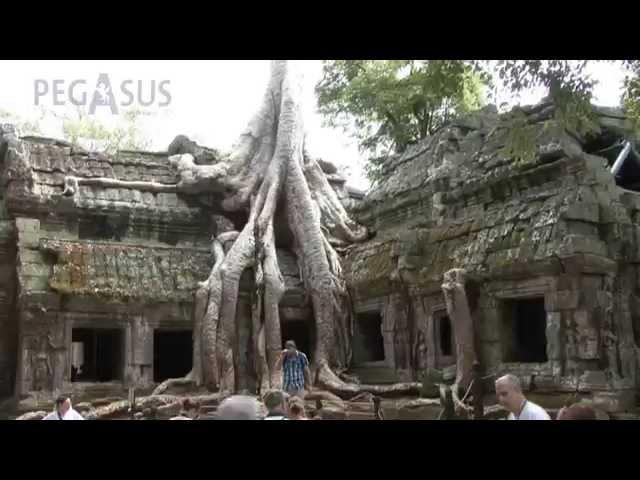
(97, 289)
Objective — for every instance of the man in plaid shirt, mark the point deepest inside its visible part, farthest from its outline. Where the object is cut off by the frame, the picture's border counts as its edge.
(295, 370)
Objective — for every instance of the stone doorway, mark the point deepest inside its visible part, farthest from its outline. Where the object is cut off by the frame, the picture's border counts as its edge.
(98, 355)
(299, 332)
(368, 343)
(172, 353)
(524, 326)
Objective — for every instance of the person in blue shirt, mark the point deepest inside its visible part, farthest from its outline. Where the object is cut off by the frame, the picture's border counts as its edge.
(296, 375)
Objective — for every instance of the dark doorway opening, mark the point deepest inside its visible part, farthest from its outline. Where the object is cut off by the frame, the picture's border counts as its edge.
(172, 354)
(446, 336)
(368, 345)
(444, 339)
(98, 355)
(525, 325)
(299, 332)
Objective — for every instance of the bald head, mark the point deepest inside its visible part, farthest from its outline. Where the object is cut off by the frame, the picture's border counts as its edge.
(238, 407)
(510, 381)
(509, 393)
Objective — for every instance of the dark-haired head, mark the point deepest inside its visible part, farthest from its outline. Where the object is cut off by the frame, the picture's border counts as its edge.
(63, 404)
(577, 412)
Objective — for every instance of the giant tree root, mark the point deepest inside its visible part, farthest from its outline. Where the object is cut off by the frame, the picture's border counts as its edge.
(267, 171)
(155, 402)
(326, 378)
(348, 391)
(39, 415)
(173, 382)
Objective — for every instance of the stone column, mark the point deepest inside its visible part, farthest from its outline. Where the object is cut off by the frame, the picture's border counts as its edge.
(141, 354)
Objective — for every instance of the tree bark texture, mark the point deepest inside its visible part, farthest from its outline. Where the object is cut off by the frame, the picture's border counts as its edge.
(459, 312)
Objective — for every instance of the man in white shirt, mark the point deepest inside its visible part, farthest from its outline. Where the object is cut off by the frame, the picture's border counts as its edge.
(64, 410)
(510, 396)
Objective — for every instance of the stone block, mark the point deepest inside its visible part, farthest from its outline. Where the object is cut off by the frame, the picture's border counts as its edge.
(587, 335)
(614, 213)
(35, 269)
(573, 244)
(29, 240)
(545, 383)
(583, 211)
(136, 196)
(561, 300)
(593, 380)
(577, 227)
(33, 283)
(48, 300)
(30, 256)
(148, 199)
(612, 402)
(554, 336)
(27, 225)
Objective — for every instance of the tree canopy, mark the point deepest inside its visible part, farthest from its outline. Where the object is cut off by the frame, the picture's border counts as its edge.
(389, 104)
(86, 130)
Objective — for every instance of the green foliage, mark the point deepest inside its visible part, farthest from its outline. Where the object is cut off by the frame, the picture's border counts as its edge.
(569, 87)
(90, 133)
(87, 131)
(519, 139)
(390, 104)
(631, 96)
(23, 126)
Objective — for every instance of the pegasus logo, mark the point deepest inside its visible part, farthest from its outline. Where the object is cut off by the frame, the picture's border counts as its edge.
(102, 91)
(103, 94)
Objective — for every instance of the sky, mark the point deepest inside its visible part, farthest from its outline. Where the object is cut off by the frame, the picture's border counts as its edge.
(211, 101)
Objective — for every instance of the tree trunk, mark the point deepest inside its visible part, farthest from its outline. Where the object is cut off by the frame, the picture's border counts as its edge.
(267, 169)
(459, 312)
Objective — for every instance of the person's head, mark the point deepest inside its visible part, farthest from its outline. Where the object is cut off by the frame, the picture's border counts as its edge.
(577, 412)
(296, 408)
(275, 401)
(290, 346)
(63, 404)
(509, 393)
(190, 407)
(238, 407)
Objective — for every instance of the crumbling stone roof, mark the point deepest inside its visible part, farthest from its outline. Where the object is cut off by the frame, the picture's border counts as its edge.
(49, 162)
(455, 201)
